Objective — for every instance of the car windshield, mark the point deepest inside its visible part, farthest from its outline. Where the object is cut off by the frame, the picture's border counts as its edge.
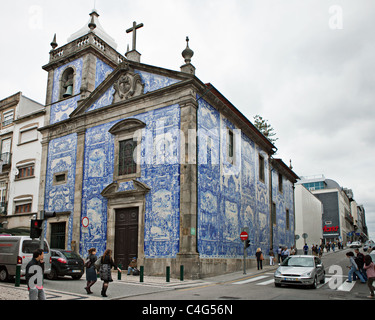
(298, 262)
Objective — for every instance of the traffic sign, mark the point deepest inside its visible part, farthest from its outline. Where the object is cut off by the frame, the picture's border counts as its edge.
(244, 236)
(85, 222)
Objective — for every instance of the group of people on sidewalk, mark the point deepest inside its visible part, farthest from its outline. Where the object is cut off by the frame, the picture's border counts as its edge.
(363, 267)
(103, 266)
(94, 266)
(281, 254)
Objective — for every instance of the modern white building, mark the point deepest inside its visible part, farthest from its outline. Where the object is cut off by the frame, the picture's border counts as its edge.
(338, 207)
(309, 212)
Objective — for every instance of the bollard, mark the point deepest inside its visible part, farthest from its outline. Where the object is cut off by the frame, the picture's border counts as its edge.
(141, 274)
(182, 273)
(118, 272)
(18, 275)
(168, 276)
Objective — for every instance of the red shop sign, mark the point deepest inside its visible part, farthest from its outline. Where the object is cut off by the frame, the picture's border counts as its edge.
(330, 229)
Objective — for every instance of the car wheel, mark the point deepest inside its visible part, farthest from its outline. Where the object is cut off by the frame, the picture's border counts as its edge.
(323, 279)
(277, 285)
(315, 283)
(52, 275)
(77, 277)
(4, 274)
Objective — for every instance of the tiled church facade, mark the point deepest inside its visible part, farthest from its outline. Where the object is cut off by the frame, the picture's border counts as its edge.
(192, 199)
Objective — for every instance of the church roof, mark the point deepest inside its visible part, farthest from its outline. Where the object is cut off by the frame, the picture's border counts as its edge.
(99, 31)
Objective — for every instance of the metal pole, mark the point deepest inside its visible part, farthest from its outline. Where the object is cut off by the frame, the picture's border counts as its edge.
(244, 257)
(141, 274)
(41, 238)
(182, 273)
(118, 272)
(168, 276)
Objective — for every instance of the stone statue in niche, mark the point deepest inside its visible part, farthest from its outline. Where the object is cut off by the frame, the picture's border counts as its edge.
(129, 85)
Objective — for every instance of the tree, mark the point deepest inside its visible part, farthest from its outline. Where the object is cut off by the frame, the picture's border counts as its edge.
(265, 128)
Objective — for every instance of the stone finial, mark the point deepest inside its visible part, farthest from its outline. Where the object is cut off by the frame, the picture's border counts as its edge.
(187, 54)
(92, 24)
(54, 43)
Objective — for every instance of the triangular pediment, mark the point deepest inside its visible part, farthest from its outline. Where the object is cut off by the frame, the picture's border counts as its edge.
(115, 190)
(125, 83)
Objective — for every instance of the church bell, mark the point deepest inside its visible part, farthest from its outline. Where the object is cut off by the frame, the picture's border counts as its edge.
(69, 91)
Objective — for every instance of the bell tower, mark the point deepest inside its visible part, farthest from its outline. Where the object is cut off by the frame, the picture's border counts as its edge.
(78, 67)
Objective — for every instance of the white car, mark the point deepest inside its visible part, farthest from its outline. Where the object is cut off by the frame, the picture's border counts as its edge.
(300, 270)
(355, 244)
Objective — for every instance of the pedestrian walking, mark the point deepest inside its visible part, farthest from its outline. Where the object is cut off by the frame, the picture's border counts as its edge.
(305, 249)
(91, 277)
(370, 270)
(360, 261)
(279, 254)
(353, 268)
(272, 257)
(35, 276)
(106, 264)
(260, 258)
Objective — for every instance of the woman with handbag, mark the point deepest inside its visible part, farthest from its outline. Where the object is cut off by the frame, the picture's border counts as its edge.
(90, 270)
(260, 258)
(105, 270)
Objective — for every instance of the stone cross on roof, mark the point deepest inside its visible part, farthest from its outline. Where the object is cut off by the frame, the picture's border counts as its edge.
(134, 30)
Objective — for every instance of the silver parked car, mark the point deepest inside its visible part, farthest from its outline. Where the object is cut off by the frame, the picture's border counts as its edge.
(300, 270)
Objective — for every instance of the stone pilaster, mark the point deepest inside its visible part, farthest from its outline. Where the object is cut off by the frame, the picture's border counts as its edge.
(78, 190)
(188, 255)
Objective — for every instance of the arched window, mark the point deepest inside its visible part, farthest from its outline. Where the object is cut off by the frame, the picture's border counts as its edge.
(67, 83)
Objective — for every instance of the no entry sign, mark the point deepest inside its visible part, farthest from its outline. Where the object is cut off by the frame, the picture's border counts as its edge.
(244, 236)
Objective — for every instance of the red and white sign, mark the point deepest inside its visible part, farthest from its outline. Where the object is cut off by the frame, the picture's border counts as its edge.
(330, 229)
(85, 222)
(244, 236)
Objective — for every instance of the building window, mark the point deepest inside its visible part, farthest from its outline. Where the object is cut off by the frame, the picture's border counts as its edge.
(25, 172)
(127, 165)
(273, 214)
(127, 159)
(8, 117)
(230, 144)
(261, 169)
(28, 134)
(60, 178)
(23, 208)
(287, 221)
(280, 182)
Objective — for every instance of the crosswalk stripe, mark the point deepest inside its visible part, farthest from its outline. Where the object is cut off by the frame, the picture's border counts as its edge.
(346, 286)
(251, 280)
(266, 282)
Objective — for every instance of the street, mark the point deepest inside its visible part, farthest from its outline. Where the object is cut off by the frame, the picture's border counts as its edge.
(255, 285)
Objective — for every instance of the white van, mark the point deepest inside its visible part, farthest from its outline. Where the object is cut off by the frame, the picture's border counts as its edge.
(19, 250)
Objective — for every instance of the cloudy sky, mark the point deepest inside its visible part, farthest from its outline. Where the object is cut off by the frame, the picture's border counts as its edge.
(307, 66)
